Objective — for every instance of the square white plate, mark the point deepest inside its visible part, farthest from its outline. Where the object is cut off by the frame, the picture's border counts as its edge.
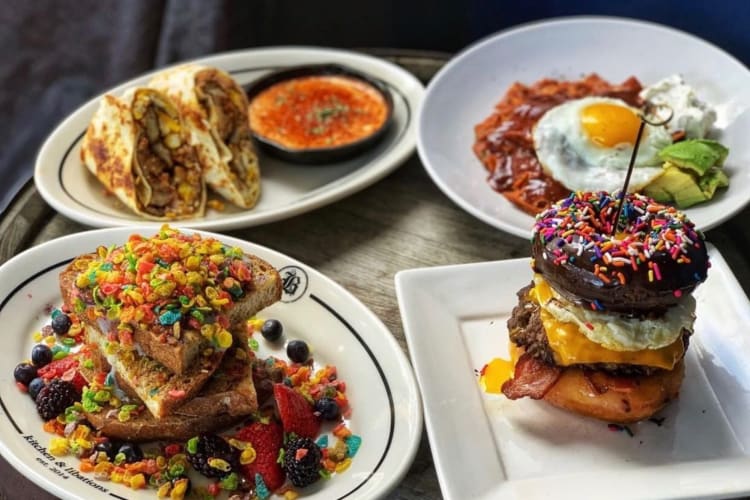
(486, 446)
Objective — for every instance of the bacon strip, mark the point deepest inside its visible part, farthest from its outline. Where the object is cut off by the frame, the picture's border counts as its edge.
(532, 378)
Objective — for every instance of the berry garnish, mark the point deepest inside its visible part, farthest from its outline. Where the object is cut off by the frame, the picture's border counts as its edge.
(24, 373)
(212, 456)
(61, 323)
(106, 447)
(266, 440)
(35, 386)
(130, 452)
(327, 408)
(55, 397)
(297, 351)
(296, 413)
(41, 355)
(302, 461)
(272, 330)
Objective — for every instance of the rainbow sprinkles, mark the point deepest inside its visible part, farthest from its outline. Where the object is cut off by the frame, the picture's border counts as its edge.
(653, 239)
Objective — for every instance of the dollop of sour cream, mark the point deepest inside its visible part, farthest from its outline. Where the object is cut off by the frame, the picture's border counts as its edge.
(691, 115)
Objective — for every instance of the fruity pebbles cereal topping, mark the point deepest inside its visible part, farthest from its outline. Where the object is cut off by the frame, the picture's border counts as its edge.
(165, 283)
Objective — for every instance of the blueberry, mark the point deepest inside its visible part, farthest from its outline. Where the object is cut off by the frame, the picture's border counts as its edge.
(61, 323)
(41, 355)
(35, 386)
(297, 351)
(131, 452)
(272, 330)
(107, 447)
(24, 373)
(328, 408)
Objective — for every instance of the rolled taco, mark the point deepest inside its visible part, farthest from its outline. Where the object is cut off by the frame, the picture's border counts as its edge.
(139, 148)
(215, 106)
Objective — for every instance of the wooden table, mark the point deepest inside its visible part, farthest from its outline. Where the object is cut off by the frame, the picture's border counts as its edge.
(402, 222)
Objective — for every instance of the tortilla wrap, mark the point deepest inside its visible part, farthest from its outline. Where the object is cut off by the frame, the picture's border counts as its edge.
(215, 107)
(138, 148)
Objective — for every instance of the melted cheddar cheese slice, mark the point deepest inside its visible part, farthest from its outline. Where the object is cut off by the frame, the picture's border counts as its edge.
(570, 346)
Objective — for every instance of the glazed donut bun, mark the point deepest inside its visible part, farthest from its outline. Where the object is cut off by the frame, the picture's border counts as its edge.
(603, 328)
(598, 394)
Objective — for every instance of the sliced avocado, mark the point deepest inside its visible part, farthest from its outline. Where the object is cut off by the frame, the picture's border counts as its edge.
(697, 154)
(713, 179)
(679, 184)
(658, 192)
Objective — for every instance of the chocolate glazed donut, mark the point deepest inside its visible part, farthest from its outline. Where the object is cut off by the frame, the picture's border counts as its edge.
(655, 258)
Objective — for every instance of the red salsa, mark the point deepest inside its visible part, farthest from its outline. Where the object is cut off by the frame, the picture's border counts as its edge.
(318, 112)
(505, 147)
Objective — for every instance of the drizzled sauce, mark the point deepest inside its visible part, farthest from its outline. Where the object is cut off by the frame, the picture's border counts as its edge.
(504, 142)
(318, 112)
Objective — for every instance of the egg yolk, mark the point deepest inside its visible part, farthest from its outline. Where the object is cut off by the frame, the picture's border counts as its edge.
(608, 125)
(494, 374)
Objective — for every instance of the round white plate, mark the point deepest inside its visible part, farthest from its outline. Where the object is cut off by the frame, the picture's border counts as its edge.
(466, 90)
(288, 189)
(381, 388)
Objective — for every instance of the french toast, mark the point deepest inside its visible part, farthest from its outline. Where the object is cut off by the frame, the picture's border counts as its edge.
(160, 390)
(227, 397)
(162, 310)
(176, 353)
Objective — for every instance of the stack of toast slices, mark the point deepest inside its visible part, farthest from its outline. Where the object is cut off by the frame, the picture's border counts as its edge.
(179, 388)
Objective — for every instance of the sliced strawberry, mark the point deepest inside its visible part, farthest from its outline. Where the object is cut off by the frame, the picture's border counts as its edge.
(267, 440)
(57, 368)
(297, 414)
(74, 377)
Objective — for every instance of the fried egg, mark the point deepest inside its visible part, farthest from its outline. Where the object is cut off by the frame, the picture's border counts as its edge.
(586, 145)
(619, 333)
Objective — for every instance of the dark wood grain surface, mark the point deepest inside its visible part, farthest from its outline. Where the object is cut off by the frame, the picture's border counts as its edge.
(401, 222)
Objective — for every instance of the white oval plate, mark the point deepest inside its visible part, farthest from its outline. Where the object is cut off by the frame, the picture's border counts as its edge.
(387, 411)
(288, 189)
(466, 90)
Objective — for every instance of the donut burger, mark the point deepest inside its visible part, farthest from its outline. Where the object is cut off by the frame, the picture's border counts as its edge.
(603, 328)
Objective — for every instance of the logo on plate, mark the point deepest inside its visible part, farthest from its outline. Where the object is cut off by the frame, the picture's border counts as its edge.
(294, 283)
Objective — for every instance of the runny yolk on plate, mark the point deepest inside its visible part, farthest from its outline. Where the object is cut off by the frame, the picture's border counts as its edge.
(494, 374)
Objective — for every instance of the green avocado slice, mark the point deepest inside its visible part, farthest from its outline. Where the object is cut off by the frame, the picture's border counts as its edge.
(698, 155)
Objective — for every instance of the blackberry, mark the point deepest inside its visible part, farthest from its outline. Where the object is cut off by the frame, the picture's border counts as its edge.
(212, 456)
(54, 397)
(305, 470)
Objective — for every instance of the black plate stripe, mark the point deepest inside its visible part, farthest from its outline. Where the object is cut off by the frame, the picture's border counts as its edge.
(385, 384)
(2, 306)
(393, 144)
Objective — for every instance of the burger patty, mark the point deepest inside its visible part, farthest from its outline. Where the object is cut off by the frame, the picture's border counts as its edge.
(526, 330)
